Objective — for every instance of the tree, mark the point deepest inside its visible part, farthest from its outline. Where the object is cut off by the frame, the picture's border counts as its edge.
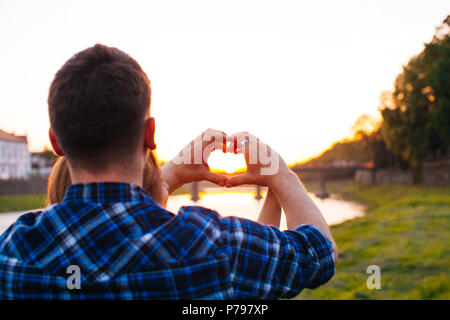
(437, 54)
(416, 115)
(367, 132)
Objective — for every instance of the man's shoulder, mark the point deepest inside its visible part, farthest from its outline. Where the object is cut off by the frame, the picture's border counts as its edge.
(197, 215)
(229, 224)
(198, 211)
(28, 218)
(56, 217)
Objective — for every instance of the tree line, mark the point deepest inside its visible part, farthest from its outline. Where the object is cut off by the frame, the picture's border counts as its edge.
(415, 115)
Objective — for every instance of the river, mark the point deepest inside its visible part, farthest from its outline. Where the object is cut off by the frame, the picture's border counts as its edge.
(241, 204)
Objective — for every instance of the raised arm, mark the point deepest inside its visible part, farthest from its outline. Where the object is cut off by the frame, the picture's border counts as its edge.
(271, 210)
(297, 204)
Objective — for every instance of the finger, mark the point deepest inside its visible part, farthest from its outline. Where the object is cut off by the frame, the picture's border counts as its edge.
(236, 139)
(224, 144)
(213, 139)
(240, 143)
(237, 180)
(207, 134)
(215, 178)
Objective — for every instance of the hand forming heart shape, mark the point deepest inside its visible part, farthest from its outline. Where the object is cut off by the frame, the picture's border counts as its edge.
(192, 162)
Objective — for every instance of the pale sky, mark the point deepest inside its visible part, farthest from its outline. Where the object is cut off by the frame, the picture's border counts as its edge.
(295, 73)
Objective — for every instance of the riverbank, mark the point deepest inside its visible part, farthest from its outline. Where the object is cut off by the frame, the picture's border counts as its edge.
(405, 231)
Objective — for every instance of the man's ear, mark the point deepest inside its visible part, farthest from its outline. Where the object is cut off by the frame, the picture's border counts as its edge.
(54, 143)
(149, 130)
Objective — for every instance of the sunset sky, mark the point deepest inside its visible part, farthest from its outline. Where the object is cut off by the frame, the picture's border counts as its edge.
(295, 73)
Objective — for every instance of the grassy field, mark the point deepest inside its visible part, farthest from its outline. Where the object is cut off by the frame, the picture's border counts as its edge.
(406, 232)
(21, 202)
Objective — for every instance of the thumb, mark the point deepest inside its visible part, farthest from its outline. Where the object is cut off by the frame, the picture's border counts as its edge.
(215, 178)
(238, 180)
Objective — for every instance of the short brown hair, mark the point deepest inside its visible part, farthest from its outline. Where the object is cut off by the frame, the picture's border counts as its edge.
(97, 105)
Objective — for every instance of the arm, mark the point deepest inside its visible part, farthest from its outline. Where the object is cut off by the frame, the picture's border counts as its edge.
(271, 211)
(270, 264)
(298, 206)
(264, 262)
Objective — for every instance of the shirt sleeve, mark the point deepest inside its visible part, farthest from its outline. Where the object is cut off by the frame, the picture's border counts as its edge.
(268, 263)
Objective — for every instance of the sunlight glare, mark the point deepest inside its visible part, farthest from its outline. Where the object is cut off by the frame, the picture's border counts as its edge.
(228, 162)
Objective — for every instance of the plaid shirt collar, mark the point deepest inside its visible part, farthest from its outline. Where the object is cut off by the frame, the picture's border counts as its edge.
(107, 192)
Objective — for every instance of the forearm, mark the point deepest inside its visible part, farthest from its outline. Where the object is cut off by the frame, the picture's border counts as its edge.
(271, 211)
(168, 175)
(298, 205)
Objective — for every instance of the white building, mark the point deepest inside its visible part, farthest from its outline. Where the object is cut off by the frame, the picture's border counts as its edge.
(15, 159)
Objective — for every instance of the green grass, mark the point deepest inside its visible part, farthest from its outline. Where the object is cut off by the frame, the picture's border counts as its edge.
(406, 232)
(21, 202)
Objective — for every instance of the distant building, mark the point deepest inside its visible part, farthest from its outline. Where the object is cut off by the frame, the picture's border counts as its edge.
(15, 159)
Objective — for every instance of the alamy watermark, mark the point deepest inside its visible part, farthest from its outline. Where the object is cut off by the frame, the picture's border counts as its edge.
(74, 280)
(374, 280)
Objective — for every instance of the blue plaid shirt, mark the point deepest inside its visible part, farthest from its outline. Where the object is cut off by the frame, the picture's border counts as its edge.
(128, 247)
